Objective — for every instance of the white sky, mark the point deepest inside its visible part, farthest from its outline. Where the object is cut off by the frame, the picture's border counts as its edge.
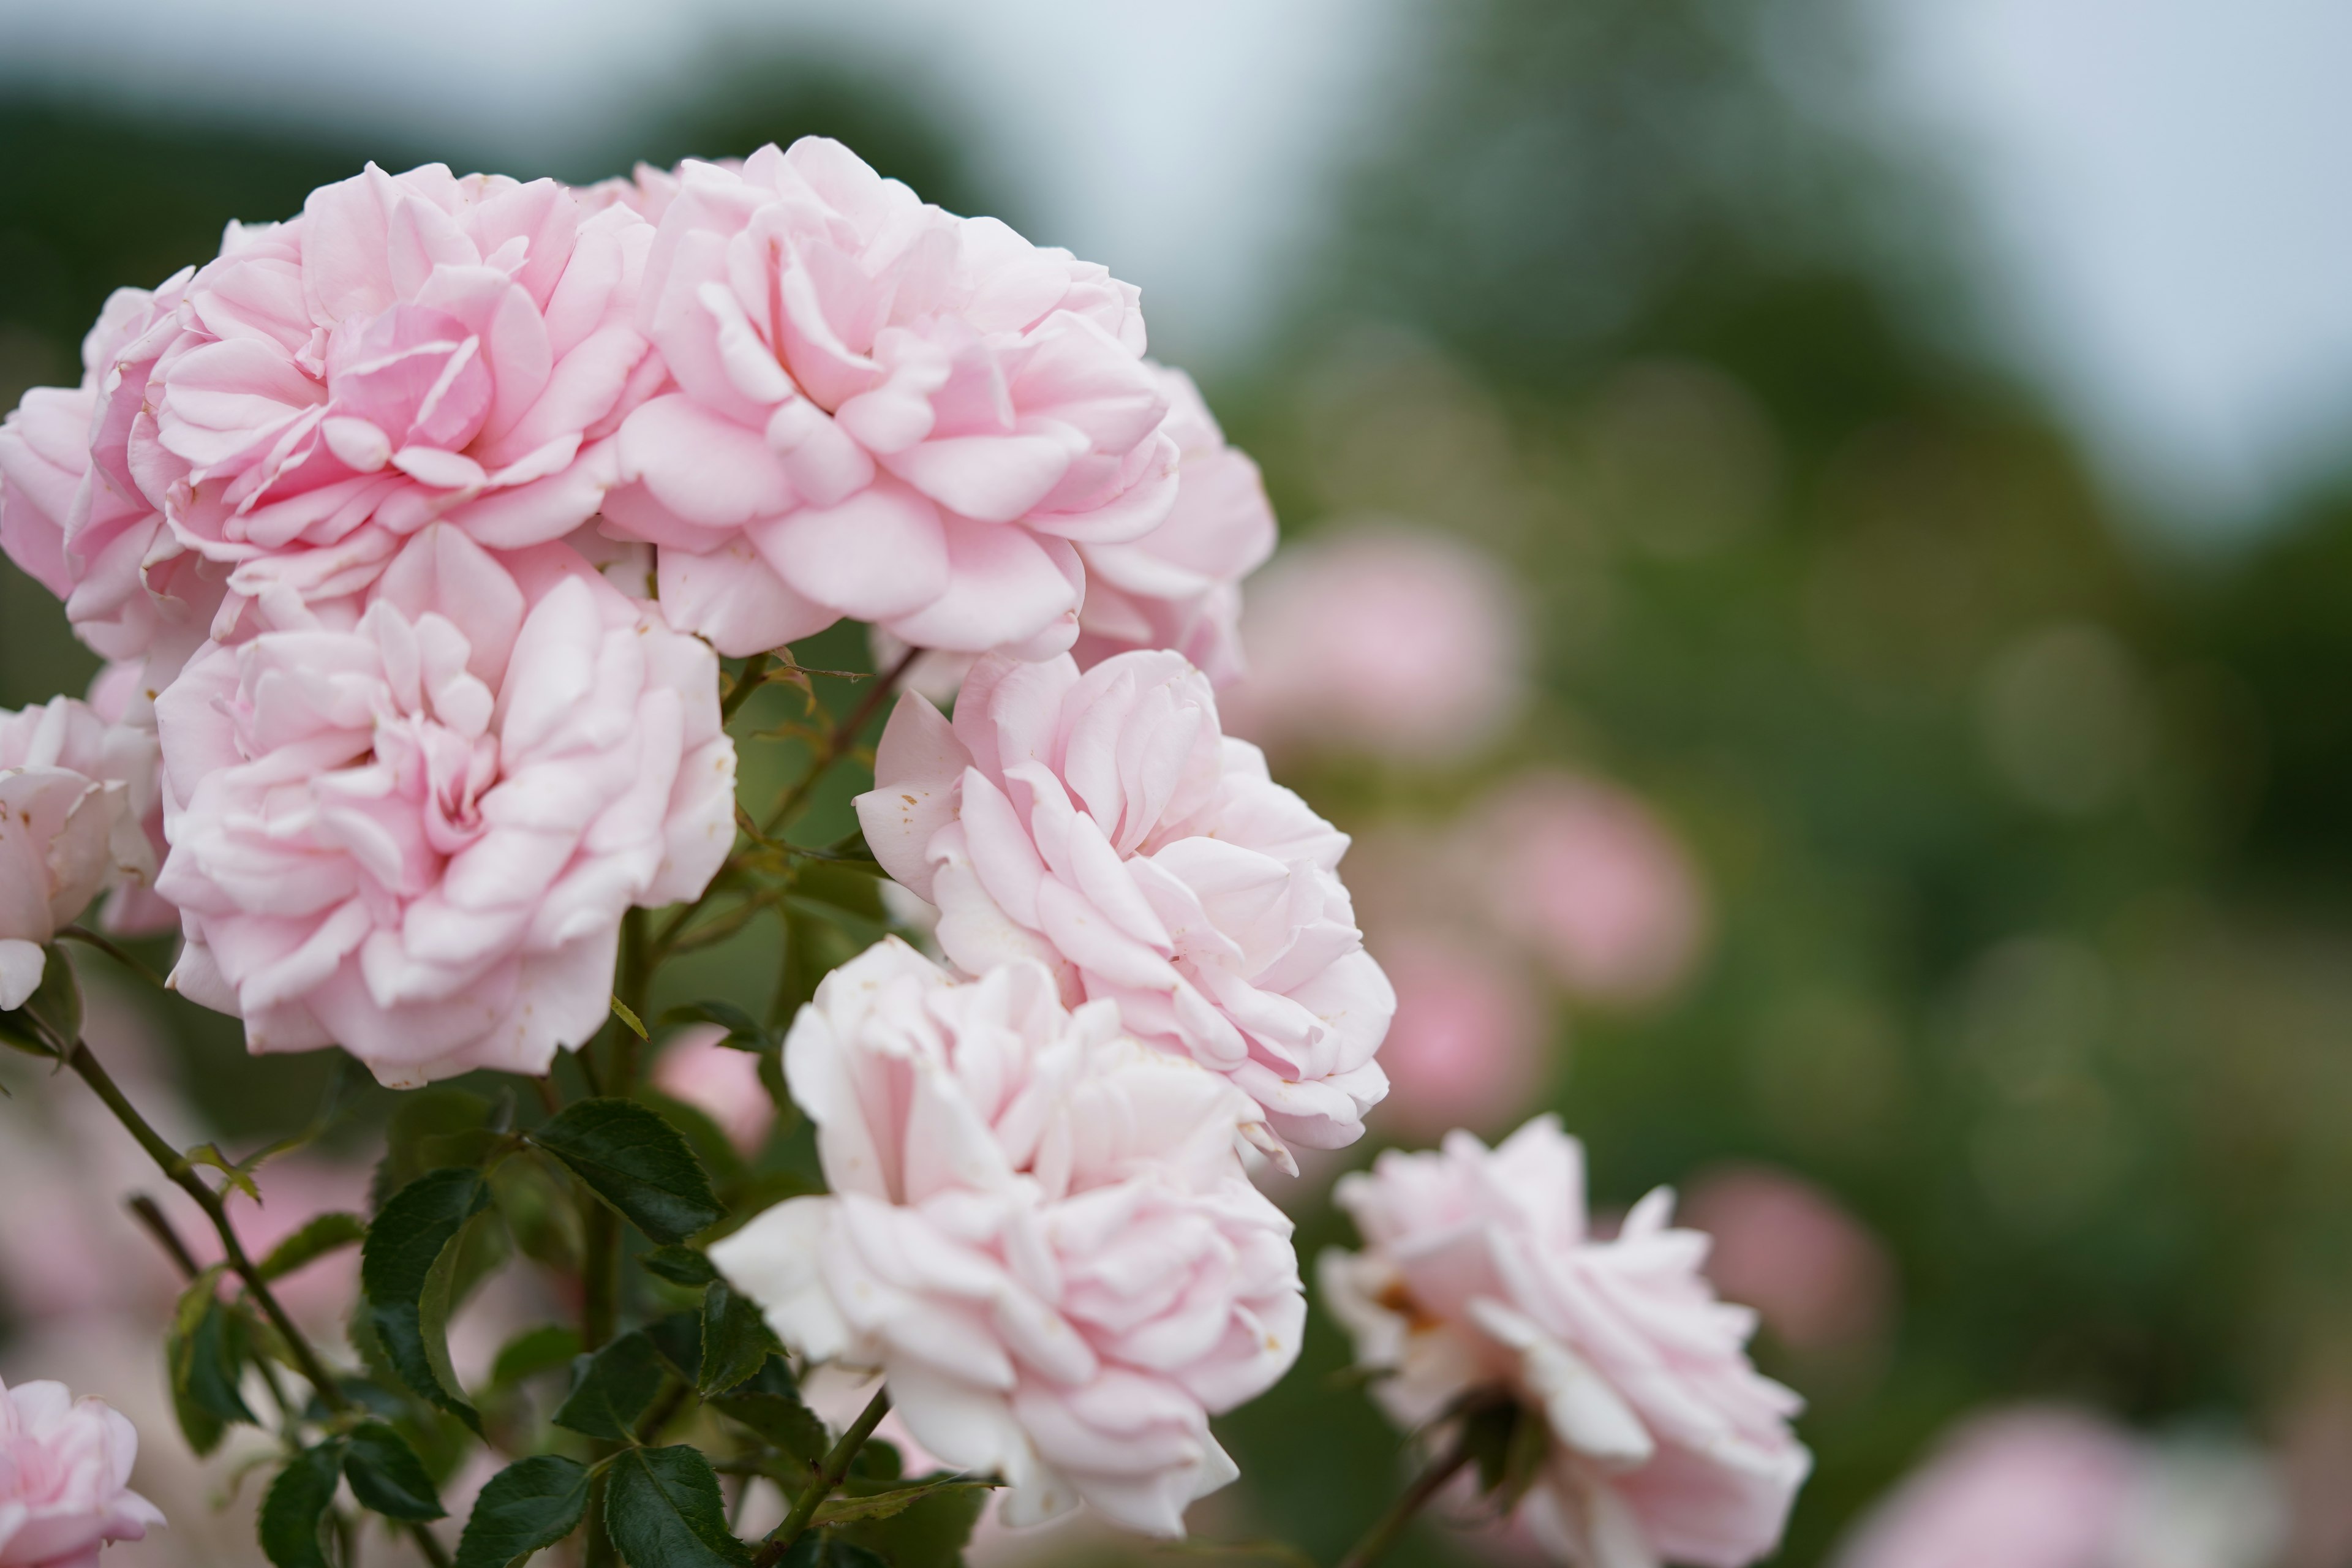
(2168, 217)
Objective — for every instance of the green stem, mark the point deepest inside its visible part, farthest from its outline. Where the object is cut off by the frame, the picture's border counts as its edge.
(601, 1552)
(755, 669)
(91, 939)
(829, 1475)
(838, 743)
(1392, 1524)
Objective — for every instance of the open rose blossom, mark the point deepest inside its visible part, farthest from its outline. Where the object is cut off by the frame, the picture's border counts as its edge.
(82, 529)
(65, 1478)
(73, 791)
(1040, 1233)
(880, 410)
(416, 837)
(1480, 1269)
(413, 347)
(1101, 825)
(1179, 586)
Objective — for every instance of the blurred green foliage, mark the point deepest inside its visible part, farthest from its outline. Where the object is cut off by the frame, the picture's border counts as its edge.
(2029, 847)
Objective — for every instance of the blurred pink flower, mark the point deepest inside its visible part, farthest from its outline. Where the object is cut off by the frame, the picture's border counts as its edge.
(1179, 586)
(2028, 1488)
(1479, 1271)
(1100, 825)
(720, 1082)
(65, 1478)
(1820, 1280)
(81, 528)
(1040, 1232)
(1593, 884)
(1466, 1042)
(413, 347)
(881, 411)
(73, 790)
(295, 1190)
(416, 839)
(1400, 643)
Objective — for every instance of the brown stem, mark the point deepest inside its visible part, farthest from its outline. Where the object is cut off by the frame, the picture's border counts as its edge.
(829, 1475)
(839, 742)
(1425, 1486)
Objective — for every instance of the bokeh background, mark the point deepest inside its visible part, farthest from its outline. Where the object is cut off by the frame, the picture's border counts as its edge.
(1818, 571)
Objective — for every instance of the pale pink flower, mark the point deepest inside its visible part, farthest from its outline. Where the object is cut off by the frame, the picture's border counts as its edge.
(1179, 586)
(1101, 825)
(2028, 1488)
(416, 839)
(65, 1478)
(718, 1080)
(413, 347)
(1039, 1232)
(1593, 883)
(81, 528)
(1396, 642)
(881, 411)
(1480, 1270)
(1815, 1274)
(73, 789)
(1466, 1044)
(122, 695)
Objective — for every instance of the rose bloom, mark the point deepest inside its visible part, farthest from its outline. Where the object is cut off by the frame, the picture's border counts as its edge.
(1179, 586)
(65, 1478)
(1040, 1233)
(1100, 825)
(1480, 1269)
(878, 410)
(413, 347)
(718, 1080)
(1593, 883)
(1387, 640)
(1466, 1044)
(1815, 1274)
(81, 528)
(73, 789)
(2028, 1488)
(415, 839)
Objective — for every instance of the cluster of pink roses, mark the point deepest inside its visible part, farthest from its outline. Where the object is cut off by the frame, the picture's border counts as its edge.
(416, 526)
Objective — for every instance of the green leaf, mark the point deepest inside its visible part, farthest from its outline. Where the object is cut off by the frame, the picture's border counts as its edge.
(205, 1350)
(612, 1388)
(770, 1405)
(823, 1549)
(663, 1509)
(713, 1149)
(743, 1032)
(387, 1476)
(736, 1340)
(535, 1199)
(678, 1338)
(527, 1507)
(635, 1162)
(326, 1233)
(405, 1269)
(532, 1352)
(622, 1010)
(296, 1506)
(679, 1266)
(431, 1129)
(929, 1531)
(896, 1499)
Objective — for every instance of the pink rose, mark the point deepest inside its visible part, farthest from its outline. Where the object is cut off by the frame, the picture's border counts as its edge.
(81, 528)
(718, 1080)
(415, 839)
(411, 349)
(881, 411)
(122, 696)
(1466, 1044)
(73, 789)
(1480, 1269)
(2026, 1488)
(1040, 1233)
(1102, 826)
(1818, 1278)
(1393, 641)
(1179, 586)
(65, 1478)
(1595, 883)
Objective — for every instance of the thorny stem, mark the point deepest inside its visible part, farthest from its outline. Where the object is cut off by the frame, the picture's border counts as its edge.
(1428, 1484)
(838, 743)
(829, 1475)
(183, 1176)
